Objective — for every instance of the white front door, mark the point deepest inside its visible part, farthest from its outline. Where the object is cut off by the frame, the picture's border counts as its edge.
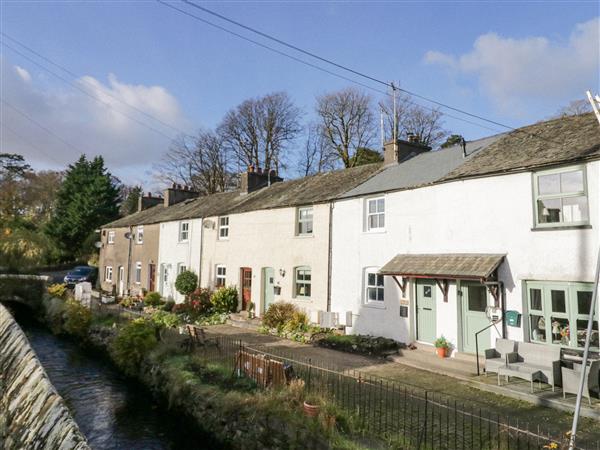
(121, 281)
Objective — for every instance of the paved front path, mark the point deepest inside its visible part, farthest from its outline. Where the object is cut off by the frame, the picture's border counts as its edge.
(461, 389)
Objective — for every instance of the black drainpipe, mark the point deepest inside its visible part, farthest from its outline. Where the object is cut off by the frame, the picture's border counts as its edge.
(128, 260)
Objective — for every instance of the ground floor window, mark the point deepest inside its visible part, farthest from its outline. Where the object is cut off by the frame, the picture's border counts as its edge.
(221, 274)
(181, 268)
(108, 273)
(138, 272)
(374, 290)
(303, 281)
(559, 313)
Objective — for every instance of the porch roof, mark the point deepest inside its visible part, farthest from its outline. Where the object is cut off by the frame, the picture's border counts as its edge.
(444, 265)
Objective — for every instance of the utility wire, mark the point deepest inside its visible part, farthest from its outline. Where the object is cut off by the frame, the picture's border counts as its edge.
(76, 76)
(28, 142)
(79, 88)
(47, 130)
(358, 73)
(314, 66)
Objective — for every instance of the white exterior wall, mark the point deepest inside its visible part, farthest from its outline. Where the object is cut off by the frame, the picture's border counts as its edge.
(485, 215)
(267, 238)
(172, 253)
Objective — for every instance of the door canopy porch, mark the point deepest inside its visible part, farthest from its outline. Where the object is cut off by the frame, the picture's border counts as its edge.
(443, 267)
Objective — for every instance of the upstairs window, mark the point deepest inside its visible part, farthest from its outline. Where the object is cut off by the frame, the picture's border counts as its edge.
(223, 227)
(305, 221)
(184, 231)
(140, 234)
(375, 214)
(560, 198)
(111, 237)
(374, 289)
(303, 282)
(221, 275)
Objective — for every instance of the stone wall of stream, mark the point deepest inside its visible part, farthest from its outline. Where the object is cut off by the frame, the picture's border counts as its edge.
(32, 414)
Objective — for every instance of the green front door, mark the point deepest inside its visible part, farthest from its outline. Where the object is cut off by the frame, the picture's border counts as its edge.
(425, 301)
(268, 287)
(474, 301)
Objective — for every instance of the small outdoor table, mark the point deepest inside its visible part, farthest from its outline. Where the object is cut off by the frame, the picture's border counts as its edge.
(523, 372)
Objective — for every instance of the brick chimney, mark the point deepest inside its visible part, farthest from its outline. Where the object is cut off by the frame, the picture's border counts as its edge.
(148, 201)
(178, 193)
(255, 179)
(405, 149)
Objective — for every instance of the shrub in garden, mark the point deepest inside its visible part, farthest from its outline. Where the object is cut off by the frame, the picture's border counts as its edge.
(77, 318)
(297, 323)
(225, 300)
(165, 319)
(58, 290)
(355, 343)
(168, 306)
(152, 299)
(278, 314)
(186, 283)
(200, 300)
(132, 344)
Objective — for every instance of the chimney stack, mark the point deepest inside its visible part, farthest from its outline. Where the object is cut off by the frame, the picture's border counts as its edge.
(404, 149)
(178, 193)
(148, 202)
(252, 180)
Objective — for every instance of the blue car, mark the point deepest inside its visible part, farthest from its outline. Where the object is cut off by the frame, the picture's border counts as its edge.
(80, 274)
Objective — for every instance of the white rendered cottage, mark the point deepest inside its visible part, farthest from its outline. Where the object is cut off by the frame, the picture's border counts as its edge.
(439, 241)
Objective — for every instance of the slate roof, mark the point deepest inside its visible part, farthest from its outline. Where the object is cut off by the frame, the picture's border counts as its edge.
(550, 143)
(309, 190)
(420, 170)
(444, 265)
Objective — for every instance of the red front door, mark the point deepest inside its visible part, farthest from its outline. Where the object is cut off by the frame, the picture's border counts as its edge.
(246, 287)
(151, 277)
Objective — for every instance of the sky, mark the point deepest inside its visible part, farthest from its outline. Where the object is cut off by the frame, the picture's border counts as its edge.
(139, 73)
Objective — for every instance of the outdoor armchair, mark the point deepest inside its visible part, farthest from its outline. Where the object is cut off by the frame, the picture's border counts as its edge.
(570, 379)
(496, 357)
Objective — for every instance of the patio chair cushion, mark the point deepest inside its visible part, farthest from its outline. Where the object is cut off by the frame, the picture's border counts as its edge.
(496, 357)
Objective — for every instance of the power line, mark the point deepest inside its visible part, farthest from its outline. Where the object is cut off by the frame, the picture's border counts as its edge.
(76, 86)
(28, 142)
(307, 63)
(74, 75)
(356, 72)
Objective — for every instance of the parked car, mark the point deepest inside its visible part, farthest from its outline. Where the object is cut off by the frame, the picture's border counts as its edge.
(80, 274)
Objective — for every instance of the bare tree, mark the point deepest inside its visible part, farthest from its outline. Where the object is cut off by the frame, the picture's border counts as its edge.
(575, 108)
(199, 162)
(347, 123)
(317, 156)
(259, 130)
(413, 118)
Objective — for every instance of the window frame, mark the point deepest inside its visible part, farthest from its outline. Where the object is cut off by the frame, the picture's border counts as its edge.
(110, 237)
(181, 267)
(107, 270)
(138, 272)
(182, 231)
(560, 196)
(220, 279)
(303, 282)
(222, 228)
(571, 314)
(378, 287)
(380, 214)
(300, 221)
(139, 235)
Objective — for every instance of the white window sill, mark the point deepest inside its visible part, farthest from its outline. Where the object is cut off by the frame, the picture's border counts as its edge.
(304, 236)
(559, 227)
(374, 305)
(303, 299)
(375, 231)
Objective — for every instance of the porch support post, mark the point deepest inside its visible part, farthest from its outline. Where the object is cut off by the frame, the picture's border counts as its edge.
(401, 285)
(443, 285)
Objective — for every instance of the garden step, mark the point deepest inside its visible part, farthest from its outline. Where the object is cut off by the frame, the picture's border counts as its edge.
(241, 321)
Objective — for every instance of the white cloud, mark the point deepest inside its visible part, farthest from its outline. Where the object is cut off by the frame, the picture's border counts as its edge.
(23, 73)
(92, 126)
(513, 72)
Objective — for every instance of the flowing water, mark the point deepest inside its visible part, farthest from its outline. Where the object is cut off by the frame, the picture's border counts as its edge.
(111, 411)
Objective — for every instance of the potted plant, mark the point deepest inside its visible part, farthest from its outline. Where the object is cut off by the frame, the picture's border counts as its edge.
(442, 345)
(250, 308)
(312, 406)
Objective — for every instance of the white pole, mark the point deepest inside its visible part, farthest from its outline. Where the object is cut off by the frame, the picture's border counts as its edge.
(588, 335)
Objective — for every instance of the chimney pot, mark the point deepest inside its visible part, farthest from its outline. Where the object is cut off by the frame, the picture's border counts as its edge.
(250, 168)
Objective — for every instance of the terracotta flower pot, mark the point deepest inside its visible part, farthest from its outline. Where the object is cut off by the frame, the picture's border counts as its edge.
(311, 410)
(441, 352)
